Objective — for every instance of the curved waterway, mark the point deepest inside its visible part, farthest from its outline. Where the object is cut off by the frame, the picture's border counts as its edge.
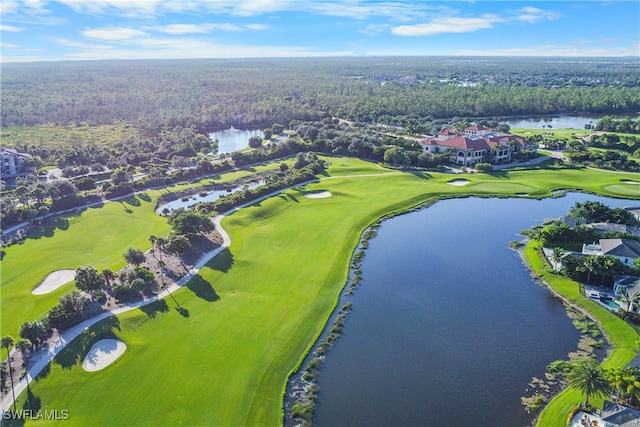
(447, 327)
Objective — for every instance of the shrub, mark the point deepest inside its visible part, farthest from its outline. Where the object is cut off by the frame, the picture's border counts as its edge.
(124, 293)
(484, 167)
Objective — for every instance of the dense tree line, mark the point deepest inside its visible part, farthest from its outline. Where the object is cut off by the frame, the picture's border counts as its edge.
(212, 94)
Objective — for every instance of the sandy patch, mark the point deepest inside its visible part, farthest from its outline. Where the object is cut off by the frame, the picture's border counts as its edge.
(629, 181)
(102, 354)
(458, 182)
(318, 195)
(53, 281)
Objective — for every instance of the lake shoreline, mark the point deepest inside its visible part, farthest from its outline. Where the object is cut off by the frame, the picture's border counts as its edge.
(296, 387)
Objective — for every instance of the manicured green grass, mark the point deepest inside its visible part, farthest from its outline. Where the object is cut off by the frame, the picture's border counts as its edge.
(566, 134)
(255, 310)
(97, 236)
(622, 339)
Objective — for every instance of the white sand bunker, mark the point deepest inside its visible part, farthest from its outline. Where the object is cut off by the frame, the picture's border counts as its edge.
(318, 195)
(458, 182)
(629, 181)
(53, 281)
(102, 354)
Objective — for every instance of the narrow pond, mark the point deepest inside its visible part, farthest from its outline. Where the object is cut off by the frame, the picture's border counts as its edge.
(447, 327)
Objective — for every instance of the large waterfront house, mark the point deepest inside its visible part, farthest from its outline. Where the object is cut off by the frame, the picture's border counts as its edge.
(626, 286)
(612, 414)
(475, 145)
(626, 250)
(14, 165)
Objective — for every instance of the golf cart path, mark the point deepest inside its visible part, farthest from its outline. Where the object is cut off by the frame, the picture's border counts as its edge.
(41, 359)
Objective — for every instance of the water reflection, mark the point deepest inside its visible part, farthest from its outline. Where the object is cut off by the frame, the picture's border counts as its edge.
(448, 327)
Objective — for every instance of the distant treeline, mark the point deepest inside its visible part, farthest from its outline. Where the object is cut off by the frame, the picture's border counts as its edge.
(255, 93)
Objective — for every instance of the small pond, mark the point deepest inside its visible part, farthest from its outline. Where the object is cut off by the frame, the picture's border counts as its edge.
(231, 140)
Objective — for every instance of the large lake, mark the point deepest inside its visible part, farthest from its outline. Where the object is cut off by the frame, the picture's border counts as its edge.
(447, 327)
(231, 140)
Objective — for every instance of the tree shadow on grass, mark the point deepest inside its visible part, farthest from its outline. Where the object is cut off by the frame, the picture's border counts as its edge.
(49, 228)
(33, 402)
(422, 175)
(44, 373)
(153, 309)
(222, 262)
(145, 197)
(183, 311)
(79, 347)
(132, 201)
(203, 289)
(499, 174)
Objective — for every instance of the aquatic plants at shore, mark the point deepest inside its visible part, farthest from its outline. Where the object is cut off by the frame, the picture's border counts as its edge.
(304, 407)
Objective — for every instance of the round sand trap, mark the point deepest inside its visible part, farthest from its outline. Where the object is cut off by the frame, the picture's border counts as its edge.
(102, 354)
(53, 281)
(318, 195)
(458, 182)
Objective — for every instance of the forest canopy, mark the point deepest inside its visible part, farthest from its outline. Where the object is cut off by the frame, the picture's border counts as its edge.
(217, 93)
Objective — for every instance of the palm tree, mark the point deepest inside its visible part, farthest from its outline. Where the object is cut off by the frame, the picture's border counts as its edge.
(589, 377)
(537, 233)
(590, 265)
(7, 342)
(616, 378)
(557, 257)
(633, 384)
(108, 275)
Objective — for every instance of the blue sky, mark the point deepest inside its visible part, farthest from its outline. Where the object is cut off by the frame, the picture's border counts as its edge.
(34, 30)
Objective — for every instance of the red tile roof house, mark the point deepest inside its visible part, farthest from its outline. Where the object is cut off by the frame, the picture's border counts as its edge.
(477, 144)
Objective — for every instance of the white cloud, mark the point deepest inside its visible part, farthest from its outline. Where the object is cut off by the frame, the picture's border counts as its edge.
(124, 7)
(74, 43)
(10, 28)
(257, 27)
(9, 45)
(153, 48)
(375, 29)
(8, 6)
(395, 11)
(533, 14)
(113, 33)
(257, 7)
(448, 25)
(24, 7)
(183, 28)
(177, 29)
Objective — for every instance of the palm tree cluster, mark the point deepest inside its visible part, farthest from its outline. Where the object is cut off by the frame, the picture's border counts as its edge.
(590, 378)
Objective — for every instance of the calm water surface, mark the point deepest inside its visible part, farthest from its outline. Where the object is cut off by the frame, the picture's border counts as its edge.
(559, 122)
(447, 328)
(231, 140)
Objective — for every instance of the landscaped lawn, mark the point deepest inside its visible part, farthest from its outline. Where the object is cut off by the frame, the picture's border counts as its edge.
(255, 310)
(622, 339)
(97, 236)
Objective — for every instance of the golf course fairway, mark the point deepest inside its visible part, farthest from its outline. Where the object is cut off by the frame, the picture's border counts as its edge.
(253, 312)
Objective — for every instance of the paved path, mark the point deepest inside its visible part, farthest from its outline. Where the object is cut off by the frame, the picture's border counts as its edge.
(42, 358)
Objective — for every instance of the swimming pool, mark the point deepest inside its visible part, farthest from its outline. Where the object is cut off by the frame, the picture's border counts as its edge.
(610, 303)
